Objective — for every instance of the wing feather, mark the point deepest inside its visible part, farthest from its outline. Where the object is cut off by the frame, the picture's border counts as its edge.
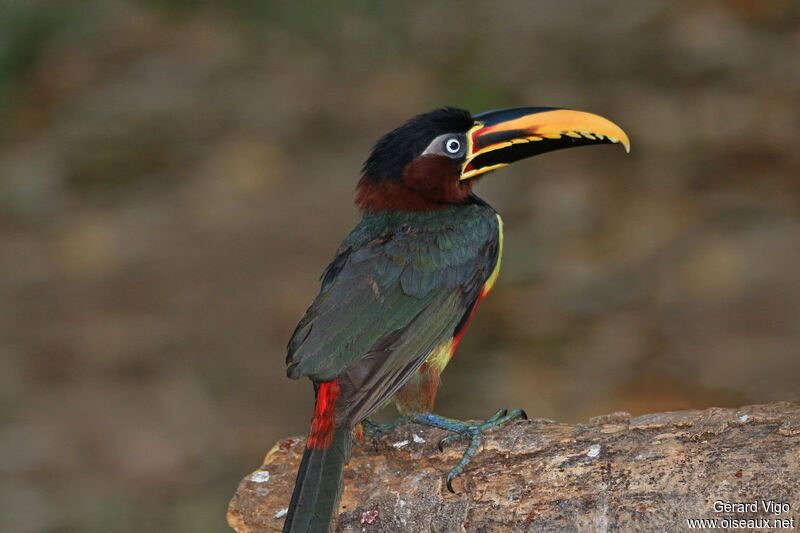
(388, 302)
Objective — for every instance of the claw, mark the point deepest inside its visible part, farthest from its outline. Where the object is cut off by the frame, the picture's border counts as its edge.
(518, 413)
(449, 483)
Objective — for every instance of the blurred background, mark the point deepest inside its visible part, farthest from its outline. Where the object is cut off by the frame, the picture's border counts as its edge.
(175, 175)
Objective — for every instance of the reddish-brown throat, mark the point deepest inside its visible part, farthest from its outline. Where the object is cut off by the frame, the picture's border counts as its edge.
(428, 182)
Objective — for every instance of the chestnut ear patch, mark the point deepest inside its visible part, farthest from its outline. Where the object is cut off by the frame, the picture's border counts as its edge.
(427, 183)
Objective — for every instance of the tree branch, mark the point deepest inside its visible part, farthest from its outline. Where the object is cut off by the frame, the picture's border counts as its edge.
(648, 473)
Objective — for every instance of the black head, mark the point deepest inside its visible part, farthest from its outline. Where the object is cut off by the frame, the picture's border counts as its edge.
(399, 147)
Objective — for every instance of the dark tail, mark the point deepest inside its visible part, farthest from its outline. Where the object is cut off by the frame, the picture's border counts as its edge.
(319, 481)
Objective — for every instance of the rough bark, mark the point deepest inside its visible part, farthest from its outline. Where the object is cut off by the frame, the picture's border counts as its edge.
(618, 473)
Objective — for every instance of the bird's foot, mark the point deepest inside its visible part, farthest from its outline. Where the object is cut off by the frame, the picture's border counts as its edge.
(375, 431)
(474, 432)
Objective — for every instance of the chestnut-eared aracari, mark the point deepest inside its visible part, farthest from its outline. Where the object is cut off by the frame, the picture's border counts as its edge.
(405, 282)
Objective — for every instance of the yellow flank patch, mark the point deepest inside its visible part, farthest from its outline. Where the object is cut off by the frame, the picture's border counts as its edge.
(440, 356)
(490, 282)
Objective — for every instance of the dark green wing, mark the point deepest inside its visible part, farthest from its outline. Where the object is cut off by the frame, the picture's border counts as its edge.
(385, 304)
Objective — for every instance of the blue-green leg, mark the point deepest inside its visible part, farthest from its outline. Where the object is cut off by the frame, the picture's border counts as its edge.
(375, 431)
(464, 430)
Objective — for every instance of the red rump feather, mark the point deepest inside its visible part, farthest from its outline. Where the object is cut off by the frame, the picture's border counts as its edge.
(322, 425)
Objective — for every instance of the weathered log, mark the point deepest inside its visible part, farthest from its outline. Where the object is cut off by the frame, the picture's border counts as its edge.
(649, 473)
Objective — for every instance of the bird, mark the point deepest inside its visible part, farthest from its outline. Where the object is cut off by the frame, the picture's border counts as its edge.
(406, 281)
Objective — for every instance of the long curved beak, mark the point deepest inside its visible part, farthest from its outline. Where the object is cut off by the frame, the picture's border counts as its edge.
(501, 137)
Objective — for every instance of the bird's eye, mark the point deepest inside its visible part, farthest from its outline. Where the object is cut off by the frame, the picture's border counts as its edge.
(453, 146)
